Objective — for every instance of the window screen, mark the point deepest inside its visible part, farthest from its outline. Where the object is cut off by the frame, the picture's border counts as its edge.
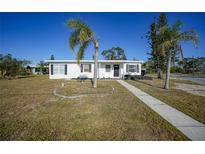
(132, 68)
(107, 68)
(58, 68)
(85, 67)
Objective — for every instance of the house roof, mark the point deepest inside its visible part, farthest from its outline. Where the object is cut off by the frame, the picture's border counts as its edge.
(32, 65)
(92, 61)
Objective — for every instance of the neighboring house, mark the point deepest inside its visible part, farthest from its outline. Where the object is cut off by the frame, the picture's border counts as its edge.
(69, 69)
(33, 69)
(36, 69)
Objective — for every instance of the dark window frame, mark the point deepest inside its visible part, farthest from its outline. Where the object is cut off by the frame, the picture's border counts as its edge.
(51, 69)
(66, 69)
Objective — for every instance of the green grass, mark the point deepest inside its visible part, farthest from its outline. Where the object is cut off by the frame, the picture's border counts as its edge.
(192, 105)
(29, 111)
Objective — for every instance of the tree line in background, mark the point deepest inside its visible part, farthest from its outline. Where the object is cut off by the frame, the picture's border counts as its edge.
(11, 67)
(190, 65)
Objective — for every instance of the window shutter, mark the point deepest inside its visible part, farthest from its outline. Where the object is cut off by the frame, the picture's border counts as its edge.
(127, 68)
(81, 67)
(89, 67)
(51, 69)
(65, 69)
(138, 68)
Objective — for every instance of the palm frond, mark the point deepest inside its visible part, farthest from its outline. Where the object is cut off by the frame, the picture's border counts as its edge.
(81, 52)
(165, 46)
(190, 35)
(74, 40)
(78, 24)
(83, 37)
(177, 26)
(163, 29)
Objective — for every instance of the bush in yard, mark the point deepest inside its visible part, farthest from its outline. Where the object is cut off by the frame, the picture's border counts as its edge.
(176, 69)
(11, 67)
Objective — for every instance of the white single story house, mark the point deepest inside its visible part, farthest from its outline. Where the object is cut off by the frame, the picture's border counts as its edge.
(115, 69)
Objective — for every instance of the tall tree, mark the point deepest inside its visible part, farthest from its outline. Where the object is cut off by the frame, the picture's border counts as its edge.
(157, 56)
(115, 53)
(82, 36)
(172, 37)
(52, 57)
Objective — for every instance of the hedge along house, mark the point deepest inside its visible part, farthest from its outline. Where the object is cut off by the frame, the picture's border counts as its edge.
(113, 69)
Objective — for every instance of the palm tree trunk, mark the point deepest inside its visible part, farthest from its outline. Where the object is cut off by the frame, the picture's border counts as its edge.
(95, 64)
(166, 86)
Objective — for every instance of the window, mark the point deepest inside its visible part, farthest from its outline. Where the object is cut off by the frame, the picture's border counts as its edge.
(107, 68)
(132, 68)
(85, 67)
(37, 69)
(137, 69)
(58, 69)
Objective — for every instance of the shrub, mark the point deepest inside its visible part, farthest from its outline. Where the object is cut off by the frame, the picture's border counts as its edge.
(176, 69)
(11, 67)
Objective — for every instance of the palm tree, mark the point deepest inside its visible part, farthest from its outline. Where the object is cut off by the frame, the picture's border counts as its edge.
(172, 38)
(82, 36)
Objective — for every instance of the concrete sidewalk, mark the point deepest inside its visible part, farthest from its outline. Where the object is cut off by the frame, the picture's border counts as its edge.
(187, 125)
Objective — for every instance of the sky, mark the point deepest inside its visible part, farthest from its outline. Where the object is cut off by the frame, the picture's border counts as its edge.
(36, 36)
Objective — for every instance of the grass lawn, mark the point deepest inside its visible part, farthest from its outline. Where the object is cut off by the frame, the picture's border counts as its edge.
(73, 88)
(154, 75)
(192, 105)
(29, 111)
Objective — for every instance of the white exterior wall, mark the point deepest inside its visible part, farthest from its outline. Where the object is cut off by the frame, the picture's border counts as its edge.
(104, 74)
(74, 71)
(33, 70)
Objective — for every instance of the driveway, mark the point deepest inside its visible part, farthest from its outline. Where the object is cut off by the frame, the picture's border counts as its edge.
(196, 79)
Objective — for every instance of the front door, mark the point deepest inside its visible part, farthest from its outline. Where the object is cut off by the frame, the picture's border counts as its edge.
(116, 71)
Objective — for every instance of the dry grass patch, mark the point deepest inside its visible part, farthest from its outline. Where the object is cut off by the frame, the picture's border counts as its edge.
(193, 89)
(74, 88)
(29, 111)
(190, 104)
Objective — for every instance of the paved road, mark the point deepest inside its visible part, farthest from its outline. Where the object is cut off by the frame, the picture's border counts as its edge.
(200, 80)
(187, 125)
